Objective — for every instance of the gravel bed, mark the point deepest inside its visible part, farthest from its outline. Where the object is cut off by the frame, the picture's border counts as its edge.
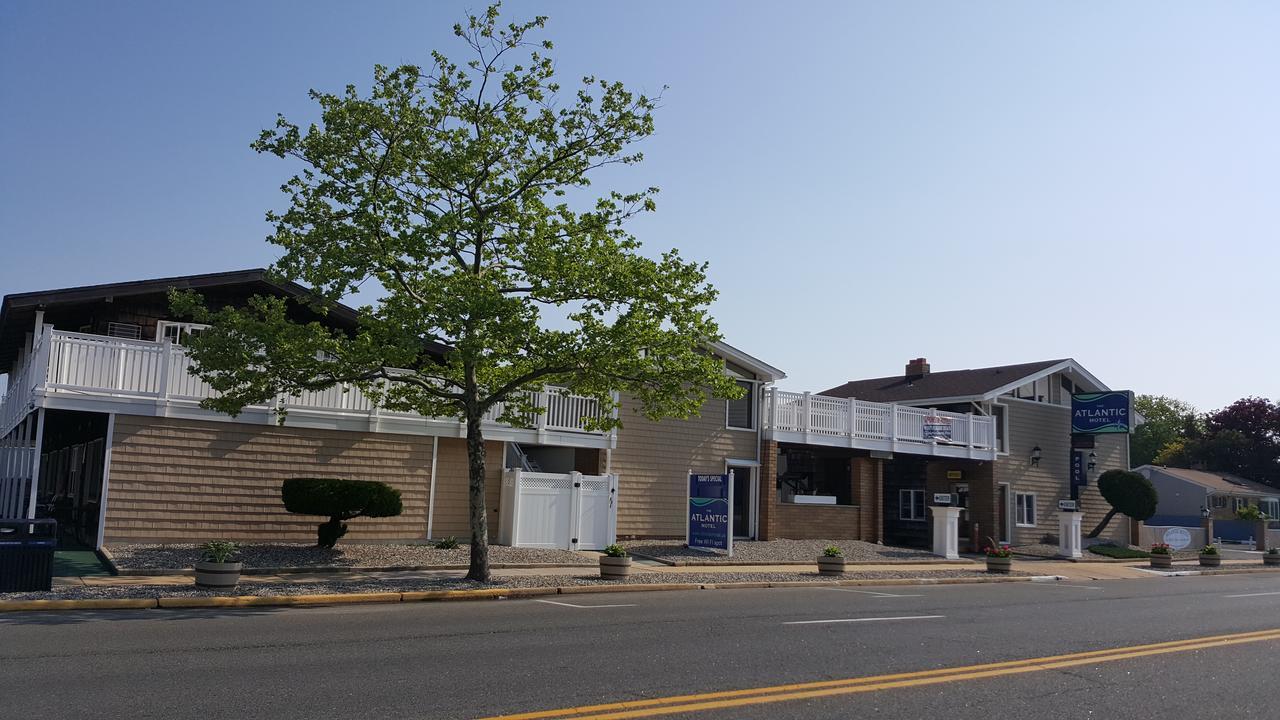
(1051, 551)
(174, 557)
(81, 592)
(767, 551)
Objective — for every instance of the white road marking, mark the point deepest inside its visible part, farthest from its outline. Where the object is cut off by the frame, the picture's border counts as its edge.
(869, 592)
(866, 619)
(1252, 595)
(572, 605)
(1064, 585)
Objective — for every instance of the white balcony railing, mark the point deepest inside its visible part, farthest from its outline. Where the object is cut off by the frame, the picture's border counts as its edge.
(85, 365)
(832, 421)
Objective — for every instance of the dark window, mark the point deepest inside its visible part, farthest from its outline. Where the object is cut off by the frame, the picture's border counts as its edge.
(911, 505)
(742, 412)
(1002, 444)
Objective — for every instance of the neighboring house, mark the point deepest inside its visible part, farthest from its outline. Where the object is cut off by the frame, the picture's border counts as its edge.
(100, 409)
(1185, 494)
(998, 439)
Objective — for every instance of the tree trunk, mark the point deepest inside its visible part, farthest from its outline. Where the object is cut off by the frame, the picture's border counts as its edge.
(479, 570)
(1106, 519)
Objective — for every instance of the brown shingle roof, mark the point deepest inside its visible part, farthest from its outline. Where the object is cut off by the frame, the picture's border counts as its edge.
(945, 384)
(1219, 482)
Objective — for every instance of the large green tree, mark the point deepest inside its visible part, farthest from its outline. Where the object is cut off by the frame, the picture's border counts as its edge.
(1165, 420)
(464, 192)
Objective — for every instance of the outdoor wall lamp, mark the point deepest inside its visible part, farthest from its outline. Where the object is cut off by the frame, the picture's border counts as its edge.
(1204, 511)
(1035, 456)
(1093, 460)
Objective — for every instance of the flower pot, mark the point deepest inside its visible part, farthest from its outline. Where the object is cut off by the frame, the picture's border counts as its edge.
(218, 575)
(615, 567)
(999, 564)
(830, 565)
(1210, 560)
(1271, 560)
(1161, 561)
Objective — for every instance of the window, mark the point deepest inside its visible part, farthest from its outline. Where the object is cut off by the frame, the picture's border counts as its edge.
(1239, 504)
(1270, 507)
(808, 477)
(911, 505)
(740, 414)
(176, 332)
(1026, 503)
(124, 330)
(1002, 442)
(1220, 502)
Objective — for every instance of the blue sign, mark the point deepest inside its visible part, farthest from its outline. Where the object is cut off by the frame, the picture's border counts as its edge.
(1096, 413)
(710, 521)
(1078, 478)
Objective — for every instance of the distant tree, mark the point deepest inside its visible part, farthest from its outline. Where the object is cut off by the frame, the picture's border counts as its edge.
(464, 193)
(1242, 438)
(1127, 492)
(1165, 420)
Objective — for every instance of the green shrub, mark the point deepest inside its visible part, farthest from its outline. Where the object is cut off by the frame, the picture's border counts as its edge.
(339, 500)
(1209, 550)
(832, 551)
(1274, 551)
(615, 550)
(1250, 512)
(1115, 551)
(220, 551)
(449, 543)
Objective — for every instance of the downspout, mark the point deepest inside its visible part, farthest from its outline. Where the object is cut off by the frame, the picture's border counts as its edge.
(431, 496)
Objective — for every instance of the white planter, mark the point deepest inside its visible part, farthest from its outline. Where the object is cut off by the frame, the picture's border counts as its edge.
(218, 575)
(615, 567)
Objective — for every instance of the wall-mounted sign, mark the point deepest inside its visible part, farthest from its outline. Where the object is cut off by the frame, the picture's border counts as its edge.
(1068, 505)
(955, 474)
(710, 520)
(937, 427)
(1078, 476)
(1106, 412)
(942, 498)
(1177, 538)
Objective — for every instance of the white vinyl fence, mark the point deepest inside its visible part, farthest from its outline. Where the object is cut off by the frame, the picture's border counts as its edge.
(570, 511)
(16, 482)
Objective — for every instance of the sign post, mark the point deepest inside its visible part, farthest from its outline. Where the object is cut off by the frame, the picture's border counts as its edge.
(709, 512)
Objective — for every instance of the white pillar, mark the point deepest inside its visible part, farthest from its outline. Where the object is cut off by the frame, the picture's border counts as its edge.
(946, 531)
(1069, 534)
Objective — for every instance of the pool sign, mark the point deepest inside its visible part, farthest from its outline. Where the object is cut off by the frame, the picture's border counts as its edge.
(710, 516)
(1177, 538)
(1104, 412)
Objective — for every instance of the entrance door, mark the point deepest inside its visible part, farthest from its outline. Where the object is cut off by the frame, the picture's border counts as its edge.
(742, 483)
(1002, 514)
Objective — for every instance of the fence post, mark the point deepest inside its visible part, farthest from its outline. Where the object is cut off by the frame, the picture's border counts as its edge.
(851, 407)
(893, 425)
(166, 359)
(806, 408)
(575, 509)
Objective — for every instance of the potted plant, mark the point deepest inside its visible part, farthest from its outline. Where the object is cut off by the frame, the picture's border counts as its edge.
(615, 563)
(1161, 555)
(831, 561)
(1209, 556)
(999, 558)
(1271, 557)
(218, 566)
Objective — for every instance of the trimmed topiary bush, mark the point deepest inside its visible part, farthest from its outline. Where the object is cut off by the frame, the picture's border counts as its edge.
(1127, 492)
(339, 500)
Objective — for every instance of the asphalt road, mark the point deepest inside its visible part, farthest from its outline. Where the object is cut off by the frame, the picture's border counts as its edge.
(467, 660)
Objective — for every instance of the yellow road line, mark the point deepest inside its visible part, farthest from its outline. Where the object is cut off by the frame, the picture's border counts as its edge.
(825, 688)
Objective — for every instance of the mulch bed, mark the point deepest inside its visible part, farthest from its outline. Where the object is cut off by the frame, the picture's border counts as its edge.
(763, 552)
(170, 558)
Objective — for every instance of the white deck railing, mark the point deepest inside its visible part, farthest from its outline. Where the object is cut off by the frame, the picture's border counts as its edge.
(821, 416)
(97, 365)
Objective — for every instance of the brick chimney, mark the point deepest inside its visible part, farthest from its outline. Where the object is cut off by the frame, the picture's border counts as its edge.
(917, 368)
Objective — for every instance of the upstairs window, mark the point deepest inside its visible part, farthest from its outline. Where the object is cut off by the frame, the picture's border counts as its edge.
(177, 332)
(740, 414)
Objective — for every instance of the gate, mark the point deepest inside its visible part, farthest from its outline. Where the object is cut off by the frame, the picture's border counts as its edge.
(570, 511)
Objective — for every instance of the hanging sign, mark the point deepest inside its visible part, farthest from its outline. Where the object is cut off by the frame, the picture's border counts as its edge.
(1078, 478)
(937, 427)
(710, 516)
(1105, 412)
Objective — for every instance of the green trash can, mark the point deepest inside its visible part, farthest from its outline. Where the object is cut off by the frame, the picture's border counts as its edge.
(26, 554)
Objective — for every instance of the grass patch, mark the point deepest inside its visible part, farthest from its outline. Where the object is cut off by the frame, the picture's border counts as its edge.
(1115, 551)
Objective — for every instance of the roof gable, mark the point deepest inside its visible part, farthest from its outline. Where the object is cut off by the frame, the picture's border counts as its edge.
(977, 383)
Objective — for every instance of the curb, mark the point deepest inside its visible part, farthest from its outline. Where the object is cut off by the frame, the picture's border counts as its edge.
(240, 601)
(811, 563)
(337, 569)
(1222, 571)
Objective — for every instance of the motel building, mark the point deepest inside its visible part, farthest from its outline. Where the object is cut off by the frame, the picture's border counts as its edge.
(868, 459)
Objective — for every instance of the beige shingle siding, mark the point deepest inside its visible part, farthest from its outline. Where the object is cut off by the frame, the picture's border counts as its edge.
(189, 480)
(452, 513)
(652, 459)
(1049, 426)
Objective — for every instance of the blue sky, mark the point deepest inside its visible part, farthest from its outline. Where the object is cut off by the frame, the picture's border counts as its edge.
(977, 183)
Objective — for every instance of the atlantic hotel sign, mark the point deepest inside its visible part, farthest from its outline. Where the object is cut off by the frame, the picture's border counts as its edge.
(1104, 412)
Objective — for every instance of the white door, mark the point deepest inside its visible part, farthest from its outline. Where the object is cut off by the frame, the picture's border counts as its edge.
(546, 510)
(595, 508)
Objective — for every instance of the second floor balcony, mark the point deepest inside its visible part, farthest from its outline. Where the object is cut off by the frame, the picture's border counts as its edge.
(97, 373)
